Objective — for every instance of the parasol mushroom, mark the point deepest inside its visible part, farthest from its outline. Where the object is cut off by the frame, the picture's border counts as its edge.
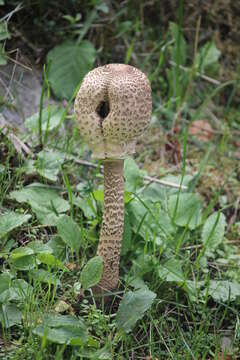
(113, 108)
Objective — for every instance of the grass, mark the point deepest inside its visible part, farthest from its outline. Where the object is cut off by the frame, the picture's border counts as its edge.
(179, 292)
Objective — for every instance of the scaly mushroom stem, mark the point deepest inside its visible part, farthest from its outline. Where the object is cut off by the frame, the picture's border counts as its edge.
(109, 247)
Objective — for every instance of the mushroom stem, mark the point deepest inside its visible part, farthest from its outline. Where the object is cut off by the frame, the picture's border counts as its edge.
(109, 247)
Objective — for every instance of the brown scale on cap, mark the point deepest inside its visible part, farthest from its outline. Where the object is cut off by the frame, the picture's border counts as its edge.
(113, 108)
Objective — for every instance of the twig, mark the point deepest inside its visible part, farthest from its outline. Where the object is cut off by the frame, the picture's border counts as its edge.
(146, 177)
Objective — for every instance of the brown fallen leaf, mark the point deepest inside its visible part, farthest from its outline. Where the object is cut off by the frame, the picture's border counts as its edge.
(71, 266)
(62, 306)
(201, 129)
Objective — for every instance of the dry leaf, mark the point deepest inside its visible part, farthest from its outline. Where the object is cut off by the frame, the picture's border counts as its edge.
(71, 266)
(61, 306)
(201, 129)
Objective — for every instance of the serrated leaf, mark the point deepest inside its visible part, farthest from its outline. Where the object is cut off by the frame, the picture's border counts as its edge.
(213, 230)
(69, 63)
(92, 272)
(185, 210)
(70, 232)
(132, 308)
(10, 221)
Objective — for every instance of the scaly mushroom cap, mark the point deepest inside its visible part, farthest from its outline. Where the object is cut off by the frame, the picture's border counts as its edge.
(112, 108)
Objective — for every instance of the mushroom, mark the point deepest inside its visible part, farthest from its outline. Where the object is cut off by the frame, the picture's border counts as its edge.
(113, 108)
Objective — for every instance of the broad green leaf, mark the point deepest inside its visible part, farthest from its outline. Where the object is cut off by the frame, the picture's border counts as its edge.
(58, 247)
(50, 260)
(48, 164)
(19, 291)
(223, 290)
(208, 56)
(69, 63)
(53, 112)
(62, 329)
(23, 258)
(138, 214)
(171, 270)
(101, 354)
(132, 175)
(132, 308)
(3, 56)
(127, 234)
(213, 230)
(185, 210)
(4, 34)
(44, 201)
(92, 272)
(39, 247)
(10, 221)
(87, 206)
(154, 192)
(5, 281)
(70, 232)
(45, 276)
(98, 195)
(178, 50)
(10, 315)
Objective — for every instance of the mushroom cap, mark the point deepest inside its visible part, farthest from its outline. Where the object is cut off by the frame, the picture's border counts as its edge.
(113, 108)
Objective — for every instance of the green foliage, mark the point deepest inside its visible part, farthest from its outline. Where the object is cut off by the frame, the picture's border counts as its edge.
(185, 210)
(10, 315)
(70, 232)
(207, 58)
(51, 119)
(213, 230)
(223, 290)
(132, 308)
(11, 220)
(44, 201)
(92, 272)
(69, 62)
(62, 329)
